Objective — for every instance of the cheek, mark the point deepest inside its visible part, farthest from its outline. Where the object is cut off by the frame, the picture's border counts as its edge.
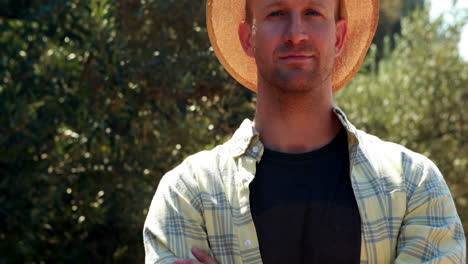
(266, 40)
(268, 31)
(324, 38)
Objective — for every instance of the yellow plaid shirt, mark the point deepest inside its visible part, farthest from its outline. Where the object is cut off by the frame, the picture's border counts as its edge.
(407, 212)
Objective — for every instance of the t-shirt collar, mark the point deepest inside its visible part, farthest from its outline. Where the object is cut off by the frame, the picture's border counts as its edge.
(246, 139)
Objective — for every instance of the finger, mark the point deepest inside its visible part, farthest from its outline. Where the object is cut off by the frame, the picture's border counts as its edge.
(185, 261)
(202, 256)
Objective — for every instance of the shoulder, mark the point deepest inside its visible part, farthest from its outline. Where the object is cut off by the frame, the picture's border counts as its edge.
(377, 150)
(199, 171)
(395, 163)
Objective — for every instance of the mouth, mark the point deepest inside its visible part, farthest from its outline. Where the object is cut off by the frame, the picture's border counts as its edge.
(295, 57)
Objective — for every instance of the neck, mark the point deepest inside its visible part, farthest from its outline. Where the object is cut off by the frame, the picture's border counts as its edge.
(295, 122)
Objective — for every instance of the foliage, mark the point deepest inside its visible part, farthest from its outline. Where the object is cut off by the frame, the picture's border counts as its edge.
(390, 15)
(100, 98)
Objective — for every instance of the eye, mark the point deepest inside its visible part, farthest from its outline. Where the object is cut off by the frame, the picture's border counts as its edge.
(312, 13)
(276, 14)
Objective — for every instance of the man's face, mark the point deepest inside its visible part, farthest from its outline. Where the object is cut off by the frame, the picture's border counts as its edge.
(294, 42)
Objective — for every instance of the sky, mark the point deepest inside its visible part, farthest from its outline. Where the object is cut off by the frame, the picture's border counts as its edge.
(439, 7)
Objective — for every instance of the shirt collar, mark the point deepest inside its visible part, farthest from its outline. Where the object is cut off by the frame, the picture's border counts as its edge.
(350, 128)
(246, 139)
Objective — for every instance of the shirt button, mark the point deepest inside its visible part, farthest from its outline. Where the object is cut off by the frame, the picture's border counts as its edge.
(255, 149)
(247, 243)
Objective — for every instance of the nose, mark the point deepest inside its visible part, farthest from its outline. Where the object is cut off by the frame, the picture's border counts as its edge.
(295, 31)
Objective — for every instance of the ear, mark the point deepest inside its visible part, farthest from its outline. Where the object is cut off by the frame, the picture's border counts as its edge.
(245, 37)
(340, 35)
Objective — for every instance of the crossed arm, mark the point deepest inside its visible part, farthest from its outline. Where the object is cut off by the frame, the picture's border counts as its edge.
(174, 230)
(431, 231)
(202, 257)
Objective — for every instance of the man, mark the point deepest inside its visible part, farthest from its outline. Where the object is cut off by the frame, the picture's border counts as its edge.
(300, 184)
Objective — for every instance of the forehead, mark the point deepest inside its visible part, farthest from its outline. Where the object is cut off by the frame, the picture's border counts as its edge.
(292, 3)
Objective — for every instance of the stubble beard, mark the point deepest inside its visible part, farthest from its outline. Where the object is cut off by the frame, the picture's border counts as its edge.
(296, 80)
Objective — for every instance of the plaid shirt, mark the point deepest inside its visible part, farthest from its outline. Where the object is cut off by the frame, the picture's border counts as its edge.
(407, 212)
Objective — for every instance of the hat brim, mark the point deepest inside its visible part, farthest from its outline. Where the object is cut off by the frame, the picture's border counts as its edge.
(223, 18)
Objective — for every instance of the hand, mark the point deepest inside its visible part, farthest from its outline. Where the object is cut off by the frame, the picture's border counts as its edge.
(202, 257)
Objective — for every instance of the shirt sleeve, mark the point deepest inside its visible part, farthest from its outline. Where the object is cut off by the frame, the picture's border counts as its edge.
(175, 222)
(431, 231)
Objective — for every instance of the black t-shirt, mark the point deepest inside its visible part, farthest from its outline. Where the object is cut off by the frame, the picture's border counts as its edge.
(304, 208)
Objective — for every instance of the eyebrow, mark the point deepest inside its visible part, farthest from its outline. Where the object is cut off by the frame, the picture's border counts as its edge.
(280, 2)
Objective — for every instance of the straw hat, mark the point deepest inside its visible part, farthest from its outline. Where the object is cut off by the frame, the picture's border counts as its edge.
(223, 18)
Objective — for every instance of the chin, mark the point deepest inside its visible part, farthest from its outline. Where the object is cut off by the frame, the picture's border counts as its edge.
(294, 82)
